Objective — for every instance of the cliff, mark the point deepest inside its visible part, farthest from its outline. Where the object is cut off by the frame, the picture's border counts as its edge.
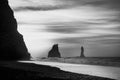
(12, 46)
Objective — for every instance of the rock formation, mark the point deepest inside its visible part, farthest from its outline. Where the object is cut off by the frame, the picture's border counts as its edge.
(54, 52)
(12, 46)
(82, 52)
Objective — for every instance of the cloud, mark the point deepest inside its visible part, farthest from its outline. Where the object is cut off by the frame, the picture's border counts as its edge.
(67, 27)
(33, 4)
(95, 17)
(112, 4)
(71, 22)
(38, 5)
(39, 8)
(79, 27)
(87, 32)
(101, 39)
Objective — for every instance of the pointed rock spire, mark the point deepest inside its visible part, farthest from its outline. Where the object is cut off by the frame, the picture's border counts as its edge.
(82, 52)
(54, 52)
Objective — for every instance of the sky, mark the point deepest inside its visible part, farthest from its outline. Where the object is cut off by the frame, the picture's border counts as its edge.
(93, 24)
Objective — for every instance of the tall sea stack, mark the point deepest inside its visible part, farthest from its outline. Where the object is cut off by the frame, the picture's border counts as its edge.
(54, 52)
(12, 46)
(82, 52)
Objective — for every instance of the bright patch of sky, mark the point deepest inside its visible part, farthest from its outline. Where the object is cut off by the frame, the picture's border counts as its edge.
(69, 22)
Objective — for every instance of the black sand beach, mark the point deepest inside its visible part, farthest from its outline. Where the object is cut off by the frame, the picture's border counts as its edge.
(27, 71)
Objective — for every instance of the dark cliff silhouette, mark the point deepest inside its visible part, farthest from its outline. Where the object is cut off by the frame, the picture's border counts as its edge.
(12, 46)
(54, 52)
(82, 52)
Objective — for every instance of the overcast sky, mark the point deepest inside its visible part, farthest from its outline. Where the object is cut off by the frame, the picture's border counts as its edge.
(71, 23)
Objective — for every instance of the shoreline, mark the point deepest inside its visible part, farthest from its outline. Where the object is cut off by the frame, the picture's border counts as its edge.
(29, 71)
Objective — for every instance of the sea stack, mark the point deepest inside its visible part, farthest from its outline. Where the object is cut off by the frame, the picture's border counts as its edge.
(54, 52)
(12, 46)
(82, 52)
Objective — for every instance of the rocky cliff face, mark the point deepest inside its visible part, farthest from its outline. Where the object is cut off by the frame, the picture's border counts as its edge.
(54, 52)
(12, 46)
